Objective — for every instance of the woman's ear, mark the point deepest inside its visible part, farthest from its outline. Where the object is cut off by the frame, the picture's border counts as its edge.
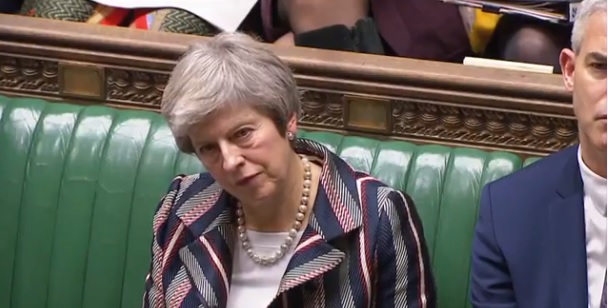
(292, 124)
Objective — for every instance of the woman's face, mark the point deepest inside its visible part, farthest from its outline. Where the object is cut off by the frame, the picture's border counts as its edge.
(244, 152)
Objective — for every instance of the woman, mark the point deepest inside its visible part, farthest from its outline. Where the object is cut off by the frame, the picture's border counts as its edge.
(276, 221)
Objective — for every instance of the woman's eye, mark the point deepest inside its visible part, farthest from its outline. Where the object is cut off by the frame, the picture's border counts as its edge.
(242, 133)
(207, 148)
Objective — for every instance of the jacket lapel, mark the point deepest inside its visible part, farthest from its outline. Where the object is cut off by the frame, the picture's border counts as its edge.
(337, 212)
(312, 258)
(569, 240)
(207, 258)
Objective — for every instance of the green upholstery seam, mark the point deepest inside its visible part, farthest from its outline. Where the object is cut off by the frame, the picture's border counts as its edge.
(375, 157)
(409, 168)
(134, 191)
(29, 152)
(65, 157)
(104, 151)
(445, 176)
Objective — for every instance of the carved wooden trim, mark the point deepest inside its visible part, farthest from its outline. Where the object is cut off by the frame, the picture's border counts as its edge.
(384, 97)
(323, 110)
(135, 87)
(23, 74)
(508, 129)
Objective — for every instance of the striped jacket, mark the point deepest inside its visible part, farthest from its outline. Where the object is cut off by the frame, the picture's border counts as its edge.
(363, 246)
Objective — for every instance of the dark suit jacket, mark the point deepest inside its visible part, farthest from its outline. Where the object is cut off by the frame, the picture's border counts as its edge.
(363, 246)
(420, 29)
(529, 248)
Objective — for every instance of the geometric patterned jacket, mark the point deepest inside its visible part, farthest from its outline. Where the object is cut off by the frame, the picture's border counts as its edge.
(363, 246)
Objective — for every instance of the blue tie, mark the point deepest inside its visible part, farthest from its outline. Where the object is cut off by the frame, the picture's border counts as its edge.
(603, 302)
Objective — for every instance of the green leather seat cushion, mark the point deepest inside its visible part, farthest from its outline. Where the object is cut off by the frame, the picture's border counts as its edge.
(79, 185)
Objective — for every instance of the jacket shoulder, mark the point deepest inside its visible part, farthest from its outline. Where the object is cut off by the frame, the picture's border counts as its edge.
(181, 189)
(380, 195)
(539, 175)
(527, 191)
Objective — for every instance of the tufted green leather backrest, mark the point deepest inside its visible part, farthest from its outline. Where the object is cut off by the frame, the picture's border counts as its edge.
(79, 185)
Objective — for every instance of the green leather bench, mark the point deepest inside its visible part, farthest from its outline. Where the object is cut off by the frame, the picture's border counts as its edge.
(79, 185)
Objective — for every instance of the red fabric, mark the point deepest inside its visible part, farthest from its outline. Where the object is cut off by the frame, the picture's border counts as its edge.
(115, 17)
(141, 19)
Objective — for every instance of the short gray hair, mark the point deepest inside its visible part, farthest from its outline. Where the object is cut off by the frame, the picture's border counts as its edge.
(227, 70)
(586, 9)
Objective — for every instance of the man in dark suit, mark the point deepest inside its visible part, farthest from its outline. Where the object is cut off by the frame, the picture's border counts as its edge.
(540, 240)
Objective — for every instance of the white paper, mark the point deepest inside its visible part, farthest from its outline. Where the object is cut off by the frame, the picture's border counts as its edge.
(573, 10)
(226, 15)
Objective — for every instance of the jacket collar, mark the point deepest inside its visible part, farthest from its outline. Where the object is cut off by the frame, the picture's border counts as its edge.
(210, 219)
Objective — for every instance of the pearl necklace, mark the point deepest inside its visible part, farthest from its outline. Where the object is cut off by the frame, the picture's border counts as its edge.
(293, 232)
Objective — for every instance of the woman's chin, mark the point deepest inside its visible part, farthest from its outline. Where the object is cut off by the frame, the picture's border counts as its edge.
(259, 196)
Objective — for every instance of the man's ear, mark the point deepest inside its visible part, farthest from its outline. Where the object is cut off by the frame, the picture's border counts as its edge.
(567, 61)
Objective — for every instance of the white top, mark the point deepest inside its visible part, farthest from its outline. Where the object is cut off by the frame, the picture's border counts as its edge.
(254, 285)
(595, 231)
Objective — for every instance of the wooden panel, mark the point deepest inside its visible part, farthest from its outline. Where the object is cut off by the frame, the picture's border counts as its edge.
(385, 97)
(367, 113)
(81, 80)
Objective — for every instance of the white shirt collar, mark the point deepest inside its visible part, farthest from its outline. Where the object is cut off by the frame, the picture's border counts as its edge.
(593, 185)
